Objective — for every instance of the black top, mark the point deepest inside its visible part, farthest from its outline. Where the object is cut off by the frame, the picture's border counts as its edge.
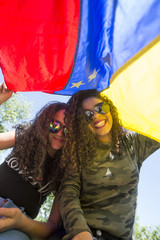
(22, 193)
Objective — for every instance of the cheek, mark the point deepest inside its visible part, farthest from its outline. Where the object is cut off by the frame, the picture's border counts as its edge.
(50, 139)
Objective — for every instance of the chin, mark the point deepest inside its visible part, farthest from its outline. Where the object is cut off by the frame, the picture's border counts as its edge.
(57, 147)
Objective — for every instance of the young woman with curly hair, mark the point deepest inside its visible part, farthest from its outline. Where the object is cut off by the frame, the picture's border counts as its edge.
(31, 172)
(97, 196)
(79, 136)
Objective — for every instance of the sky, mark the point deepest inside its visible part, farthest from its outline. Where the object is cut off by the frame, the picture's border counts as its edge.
(148, 203)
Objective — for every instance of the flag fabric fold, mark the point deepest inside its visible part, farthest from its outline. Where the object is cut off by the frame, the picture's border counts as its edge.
(136, 24)
(135, 86)
(64, 46)
(56, 46)
(136, 93)
(37, 43)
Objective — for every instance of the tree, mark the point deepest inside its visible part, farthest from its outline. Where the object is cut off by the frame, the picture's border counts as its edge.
(14, 111)
(45, 209)
(147, 233)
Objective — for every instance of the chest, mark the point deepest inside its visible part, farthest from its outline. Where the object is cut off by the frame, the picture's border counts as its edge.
(111, 172)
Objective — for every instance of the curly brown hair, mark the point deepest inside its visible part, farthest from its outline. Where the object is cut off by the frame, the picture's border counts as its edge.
(31, 145)
(81, 143)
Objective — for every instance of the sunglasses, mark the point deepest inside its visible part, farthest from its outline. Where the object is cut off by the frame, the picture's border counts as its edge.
(101, 108)
(56, 126)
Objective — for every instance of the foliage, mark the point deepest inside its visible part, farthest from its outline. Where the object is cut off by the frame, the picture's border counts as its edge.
(45, 209)
(14, 111)
(147, 233)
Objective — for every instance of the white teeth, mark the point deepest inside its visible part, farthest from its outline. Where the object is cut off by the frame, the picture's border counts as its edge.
(100, 124)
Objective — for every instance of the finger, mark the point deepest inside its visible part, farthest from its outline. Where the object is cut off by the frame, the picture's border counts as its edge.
(4, 88)
(5, 224)
(7, 212)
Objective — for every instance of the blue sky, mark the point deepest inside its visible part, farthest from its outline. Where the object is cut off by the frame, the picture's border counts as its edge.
(148, 209)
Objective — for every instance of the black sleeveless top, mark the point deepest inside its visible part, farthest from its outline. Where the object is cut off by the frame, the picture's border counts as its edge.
(21, 192)
(27, 193)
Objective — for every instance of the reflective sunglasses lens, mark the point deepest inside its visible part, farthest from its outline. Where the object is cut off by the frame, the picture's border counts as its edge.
(98, 109)
(102, 108)
(64, 131)
(55, 126)
(105, 107)
(89, 114)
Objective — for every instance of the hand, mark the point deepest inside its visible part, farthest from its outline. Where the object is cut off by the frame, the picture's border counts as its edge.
(5, 94)
(11, 218)
(83, 236)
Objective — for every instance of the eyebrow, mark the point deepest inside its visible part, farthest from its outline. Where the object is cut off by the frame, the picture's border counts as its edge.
(58, 121)
(86, 109)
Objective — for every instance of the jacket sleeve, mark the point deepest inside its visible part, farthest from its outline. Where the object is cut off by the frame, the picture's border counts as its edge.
(143, 146)
(71, 212)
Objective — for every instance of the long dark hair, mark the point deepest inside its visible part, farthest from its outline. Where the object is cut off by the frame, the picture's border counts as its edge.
(81, 143)
(31, 145)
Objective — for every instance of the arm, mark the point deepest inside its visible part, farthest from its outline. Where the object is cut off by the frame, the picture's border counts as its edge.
(7, 140)
(15, 219)
(71, 211)
(143, 146)
(5, 94)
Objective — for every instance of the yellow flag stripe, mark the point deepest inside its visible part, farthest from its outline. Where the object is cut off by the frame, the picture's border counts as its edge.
(135, 91)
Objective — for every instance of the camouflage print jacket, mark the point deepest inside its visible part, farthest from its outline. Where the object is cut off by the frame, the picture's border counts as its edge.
(104, 195)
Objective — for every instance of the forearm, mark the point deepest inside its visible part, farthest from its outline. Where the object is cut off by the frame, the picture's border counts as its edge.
(5, 98)
(15, 219)
(70, 207)
(7, 139)
(40, 230)
(36, 229)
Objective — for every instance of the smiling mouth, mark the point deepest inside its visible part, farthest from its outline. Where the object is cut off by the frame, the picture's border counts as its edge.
(59, 140)
(100, 124)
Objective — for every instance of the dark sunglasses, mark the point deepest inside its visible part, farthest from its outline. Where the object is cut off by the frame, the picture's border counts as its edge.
(56, 126)
(101, 108)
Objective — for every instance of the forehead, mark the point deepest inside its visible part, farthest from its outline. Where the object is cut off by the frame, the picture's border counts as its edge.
(90, 102)
(60, 116)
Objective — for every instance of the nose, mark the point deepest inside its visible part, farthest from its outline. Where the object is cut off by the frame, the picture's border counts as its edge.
(95, 114)
(61, 132)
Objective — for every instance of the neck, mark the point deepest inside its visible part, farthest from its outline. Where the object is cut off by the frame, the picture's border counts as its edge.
(51, 151)
(106, 139)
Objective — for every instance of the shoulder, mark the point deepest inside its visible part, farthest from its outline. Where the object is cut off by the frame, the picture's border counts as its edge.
(140, 143)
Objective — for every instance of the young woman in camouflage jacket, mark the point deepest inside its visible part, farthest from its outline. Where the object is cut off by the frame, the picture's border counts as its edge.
(99, 193)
